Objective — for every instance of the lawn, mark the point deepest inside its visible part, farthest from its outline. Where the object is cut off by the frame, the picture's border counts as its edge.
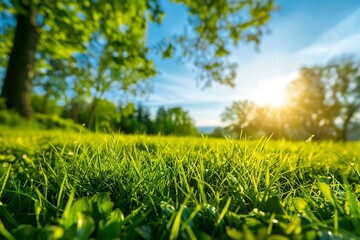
(65, 185)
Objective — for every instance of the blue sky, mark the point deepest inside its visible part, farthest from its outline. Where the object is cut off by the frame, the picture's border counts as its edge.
(303, 33)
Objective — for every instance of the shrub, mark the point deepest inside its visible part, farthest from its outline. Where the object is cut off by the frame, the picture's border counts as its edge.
(55, 122)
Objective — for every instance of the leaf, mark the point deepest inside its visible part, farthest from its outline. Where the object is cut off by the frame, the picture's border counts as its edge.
(274, 206)
(54, 232)
(221, 51)
(85, 226)
(144, 231)
(24, 231)
(116, 215)
(101, 206)
(223, 212)
(294, 227)
(8, 220)
(354, 209)
(248, 234)
(67, 209)
(111, 230)
(176, 224)
(234, 234)
(188, 217)
(300, 204)
(5, 233)
(168, 51)
(326, 191)
(278, 237)
(202, 235)
(80, 206)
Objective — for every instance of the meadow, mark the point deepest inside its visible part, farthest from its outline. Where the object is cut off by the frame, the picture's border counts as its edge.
(66, 185)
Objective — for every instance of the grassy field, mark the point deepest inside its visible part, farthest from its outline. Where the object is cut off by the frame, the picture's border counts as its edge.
(63, 185)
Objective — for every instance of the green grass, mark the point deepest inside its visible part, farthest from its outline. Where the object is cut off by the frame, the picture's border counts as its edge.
(63, 185)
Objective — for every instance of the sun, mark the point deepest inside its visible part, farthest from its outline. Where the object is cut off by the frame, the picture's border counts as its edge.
(269, 94)
(274, 99)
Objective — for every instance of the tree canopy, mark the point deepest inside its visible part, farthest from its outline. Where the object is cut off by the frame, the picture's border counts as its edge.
(323, 102)
(48, 31)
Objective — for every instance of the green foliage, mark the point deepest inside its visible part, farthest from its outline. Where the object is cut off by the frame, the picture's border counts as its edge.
(68, 29)
(325, 100)
(12, 119)
(51, 106)
(131, 119)
(103, 44)
(40, 121)
(248, 119)
(171, 121)
(174, 121)
(218, 132)
(241, 115)
(136, 120)
(216, 27)
(55, 122)
(105, 118)
(57, 186)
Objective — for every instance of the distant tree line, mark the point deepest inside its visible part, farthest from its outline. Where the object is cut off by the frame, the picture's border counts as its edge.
(129, 119)
(322, 103)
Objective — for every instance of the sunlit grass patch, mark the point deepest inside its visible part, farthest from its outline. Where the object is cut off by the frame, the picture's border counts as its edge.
(57, 185)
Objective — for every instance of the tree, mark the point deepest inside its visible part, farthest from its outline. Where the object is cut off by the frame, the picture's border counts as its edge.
(174, 121)
(80, 83)
(272, 121)
(215, 28)
(107, 71)
(50, 78)
(64, 28)
(106, 118)
(137, 120)
(218, 132)
(344, 73)
(37, 104)
(247, 118)
(143, 117)
(324, 100)
(17, 83)
(240, 116)
(311, 112)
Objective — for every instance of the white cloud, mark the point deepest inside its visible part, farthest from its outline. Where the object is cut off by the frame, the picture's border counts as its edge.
(343, 38)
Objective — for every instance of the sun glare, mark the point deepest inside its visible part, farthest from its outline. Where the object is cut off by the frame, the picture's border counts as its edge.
(271, 94)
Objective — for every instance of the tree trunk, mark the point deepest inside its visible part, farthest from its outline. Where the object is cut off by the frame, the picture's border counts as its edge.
(345, 128)
(17, 83)
(45, 100)
(75, 110)
(344, 132)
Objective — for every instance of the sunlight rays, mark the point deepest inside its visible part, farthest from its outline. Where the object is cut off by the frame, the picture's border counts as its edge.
(271, 93)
